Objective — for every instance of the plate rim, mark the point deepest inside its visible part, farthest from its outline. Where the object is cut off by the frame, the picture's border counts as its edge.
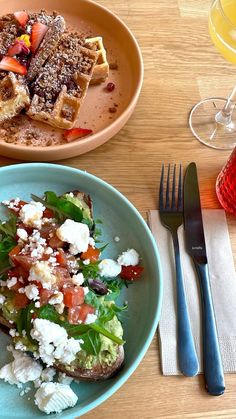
(114, 387)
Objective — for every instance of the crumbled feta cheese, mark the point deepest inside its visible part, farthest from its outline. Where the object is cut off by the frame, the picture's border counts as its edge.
(32, 292)
(21, 370)
(48, 251)
(86, 261)
(20, 346)
(21, 290)
(64, 379)
(60, 308)
(48, 374)
(78, 279)
(54, 343)
(22, 234)
(116, 239)
(31, 214)
(11, 282)
(109, 268)
(7, 374)
(56, 298)
(37, 304)
(42, 272)
(2, 299)
(76, 234)
(13, 333)
(37, 383)
(54, 397)
(86, 290)
(91, 318)
(91, 242)
(25, 391)
(129, 257)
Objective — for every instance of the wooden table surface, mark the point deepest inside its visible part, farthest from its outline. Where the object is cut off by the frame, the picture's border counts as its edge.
(181, 67)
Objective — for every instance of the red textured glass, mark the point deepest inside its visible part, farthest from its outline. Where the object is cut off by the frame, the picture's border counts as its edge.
(226, 185)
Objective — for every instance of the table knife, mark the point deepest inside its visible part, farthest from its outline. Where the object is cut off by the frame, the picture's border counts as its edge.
(196, 248)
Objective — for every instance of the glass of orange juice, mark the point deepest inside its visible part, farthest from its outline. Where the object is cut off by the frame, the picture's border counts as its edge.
(213, 120)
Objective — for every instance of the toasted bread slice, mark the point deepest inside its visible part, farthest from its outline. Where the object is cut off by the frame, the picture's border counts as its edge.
(98, 372)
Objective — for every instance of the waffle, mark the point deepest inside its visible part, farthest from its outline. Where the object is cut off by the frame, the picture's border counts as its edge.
(59, 90)
(101, 69)
(14, 96)
(49, 44)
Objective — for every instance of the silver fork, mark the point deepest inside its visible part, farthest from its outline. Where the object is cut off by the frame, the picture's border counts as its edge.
(171, 215)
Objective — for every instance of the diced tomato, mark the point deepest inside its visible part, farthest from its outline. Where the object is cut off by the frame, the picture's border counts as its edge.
(48, 213)
(73, 314)
(79, 314)
(73, 296)
(92, 254)
(19, 272)
(55, 242)
(85, 309)
(45, 295)
(131, 273)
(20, 300)
(15, 251)
(24, 261)
(63, 276)
(61, 257)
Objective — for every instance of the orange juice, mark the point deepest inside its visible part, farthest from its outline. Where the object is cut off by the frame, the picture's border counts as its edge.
(222, 27)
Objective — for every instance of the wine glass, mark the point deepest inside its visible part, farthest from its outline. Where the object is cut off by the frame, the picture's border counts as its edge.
(213, 120)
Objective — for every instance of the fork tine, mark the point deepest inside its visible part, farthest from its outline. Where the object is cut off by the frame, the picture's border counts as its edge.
(168, 188)
(180, 198)
(161, 205)
(173, 202)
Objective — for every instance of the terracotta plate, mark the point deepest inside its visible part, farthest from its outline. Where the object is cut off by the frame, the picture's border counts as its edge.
(90, 19)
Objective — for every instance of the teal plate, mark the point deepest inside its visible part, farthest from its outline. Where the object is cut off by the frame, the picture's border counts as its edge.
(120, 218)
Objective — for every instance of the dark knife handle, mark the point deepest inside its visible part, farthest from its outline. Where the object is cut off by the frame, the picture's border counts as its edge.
(212, 363)
(187, 356)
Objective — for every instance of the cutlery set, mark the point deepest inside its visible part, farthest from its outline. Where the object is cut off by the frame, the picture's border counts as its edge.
(184, 207)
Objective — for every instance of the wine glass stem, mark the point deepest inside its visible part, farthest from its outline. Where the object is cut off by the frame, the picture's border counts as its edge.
(224, 116)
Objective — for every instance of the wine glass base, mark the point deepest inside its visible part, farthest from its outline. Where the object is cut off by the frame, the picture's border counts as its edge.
(202, 121)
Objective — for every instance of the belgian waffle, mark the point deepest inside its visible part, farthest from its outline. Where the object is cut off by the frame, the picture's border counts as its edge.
(9, 30)
(101, 69)
(59, 89)
(49, 44)
(14, 96)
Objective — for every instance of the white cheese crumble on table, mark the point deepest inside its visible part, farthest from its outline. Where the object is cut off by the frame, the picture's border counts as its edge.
(129, 257)
(116, 239)
(109, 268)
(31, 214)
(55, 397)
(54, 343)
(42, 272)
(76, 234)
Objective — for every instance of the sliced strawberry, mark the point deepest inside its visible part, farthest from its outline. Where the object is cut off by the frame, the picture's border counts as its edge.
(11, 64)
(22, 17)
(17, 48)
(37, 35)
(75, 133)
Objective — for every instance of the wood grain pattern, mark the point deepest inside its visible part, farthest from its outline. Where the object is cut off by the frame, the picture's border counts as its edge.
(181, 66)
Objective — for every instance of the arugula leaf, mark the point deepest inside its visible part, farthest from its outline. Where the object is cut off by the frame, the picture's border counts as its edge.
(91, 270)
(92, 342)
(6, 245)
(115, 286)
(8, 228)
(24, 321)
(92, 299)
(49, 312)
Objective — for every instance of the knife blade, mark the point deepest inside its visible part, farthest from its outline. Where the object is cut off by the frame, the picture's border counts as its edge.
(196, 248)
